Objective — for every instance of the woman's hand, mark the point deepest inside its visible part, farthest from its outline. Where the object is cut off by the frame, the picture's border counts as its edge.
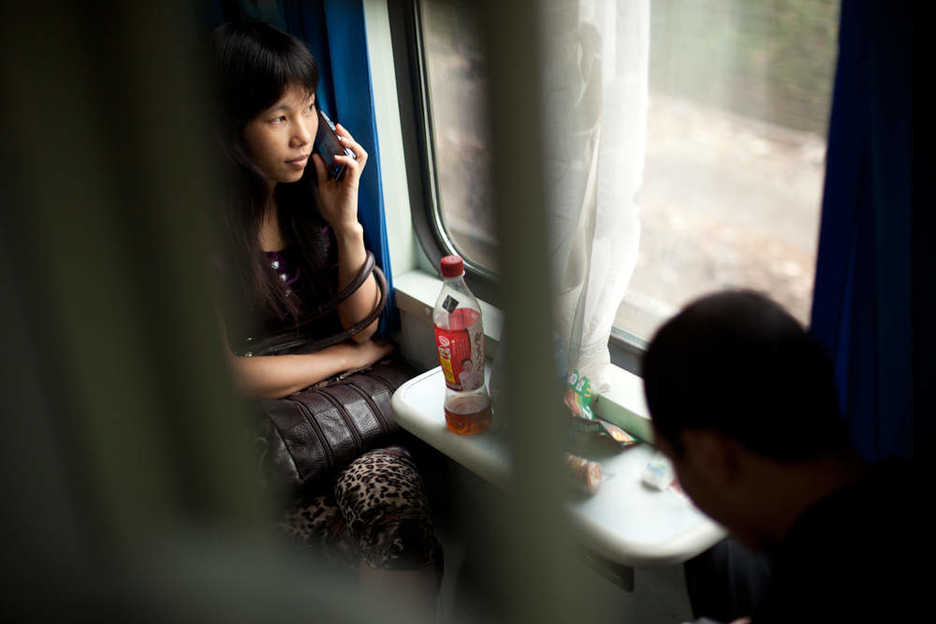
(339, 198)
(369, 352)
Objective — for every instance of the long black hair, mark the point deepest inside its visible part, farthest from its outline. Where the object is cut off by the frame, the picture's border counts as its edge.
(256, 64)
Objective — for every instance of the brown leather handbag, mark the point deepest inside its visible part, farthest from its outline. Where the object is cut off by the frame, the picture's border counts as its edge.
(314, 432)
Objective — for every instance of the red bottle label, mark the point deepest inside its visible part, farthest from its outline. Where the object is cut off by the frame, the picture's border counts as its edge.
(461, 350)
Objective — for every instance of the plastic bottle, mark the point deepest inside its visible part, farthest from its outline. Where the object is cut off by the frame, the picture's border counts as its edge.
(460, 344)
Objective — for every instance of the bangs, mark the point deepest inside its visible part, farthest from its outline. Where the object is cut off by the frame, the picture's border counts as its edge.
(294, 68)
(258, 63)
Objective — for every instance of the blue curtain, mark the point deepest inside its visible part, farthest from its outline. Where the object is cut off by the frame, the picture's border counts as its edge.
(871, 264)
(335, 34)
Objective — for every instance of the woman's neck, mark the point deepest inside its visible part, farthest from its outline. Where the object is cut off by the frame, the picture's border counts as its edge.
(271, 238)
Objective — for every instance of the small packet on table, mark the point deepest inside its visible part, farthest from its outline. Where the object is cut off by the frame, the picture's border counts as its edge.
(658, 473)
(586, 473)
(578, 397)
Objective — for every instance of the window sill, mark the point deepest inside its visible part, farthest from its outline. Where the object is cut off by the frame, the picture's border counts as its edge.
(416, 291)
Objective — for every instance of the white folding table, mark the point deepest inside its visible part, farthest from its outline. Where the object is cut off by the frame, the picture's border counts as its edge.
(625, 524)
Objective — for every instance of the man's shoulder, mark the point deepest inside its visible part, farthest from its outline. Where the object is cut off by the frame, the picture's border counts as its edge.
(851, 555)
(877, 517)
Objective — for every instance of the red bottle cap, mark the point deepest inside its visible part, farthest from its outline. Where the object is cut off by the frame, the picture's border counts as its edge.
(452, 266)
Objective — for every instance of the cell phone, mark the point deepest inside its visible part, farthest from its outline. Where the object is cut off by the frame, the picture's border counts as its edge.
(328, 146)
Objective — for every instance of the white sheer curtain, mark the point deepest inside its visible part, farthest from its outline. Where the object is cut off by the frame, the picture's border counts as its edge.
(596, 98)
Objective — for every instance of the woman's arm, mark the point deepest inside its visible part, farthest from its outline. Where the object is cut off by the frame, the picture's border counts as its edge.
(351, 256)
(339, 202)
(275, 376)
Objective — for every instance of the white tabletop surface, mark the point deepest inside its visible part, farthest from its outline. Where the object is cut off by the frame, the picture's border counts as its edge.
(626, 522)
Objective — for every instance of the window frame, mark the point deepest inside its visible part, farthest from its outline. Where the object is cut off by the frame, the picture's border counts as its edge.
(416, 119)
(415, 105)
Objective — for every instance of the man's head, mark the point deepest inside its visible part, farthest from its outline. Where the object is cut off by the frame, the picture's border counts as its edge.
(739, 394)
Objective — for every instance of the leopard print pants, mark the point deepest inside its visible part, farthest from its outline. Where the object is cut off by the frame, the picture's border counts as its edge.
(377, 512)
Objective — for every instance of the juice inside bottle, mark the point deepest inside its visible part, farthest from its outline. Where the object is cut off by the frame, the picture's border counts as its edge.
(468, 414)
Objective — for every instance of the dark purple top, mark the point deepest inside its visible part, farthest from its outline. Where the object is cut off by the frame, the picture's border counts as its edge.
(313, 288)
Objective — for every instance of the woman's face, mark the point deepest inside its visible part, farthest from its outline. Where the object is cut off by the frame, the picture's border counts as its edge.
(279, 139)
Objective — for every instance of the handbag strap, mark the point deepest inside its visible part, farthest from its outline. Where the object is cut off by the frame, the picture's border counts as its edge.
(332, 304)
(294, 339)
(358, 327)
(358, 280)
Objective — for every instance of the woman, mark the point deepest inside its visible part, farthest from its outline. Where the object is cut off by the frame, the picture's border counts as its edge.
(296, 242)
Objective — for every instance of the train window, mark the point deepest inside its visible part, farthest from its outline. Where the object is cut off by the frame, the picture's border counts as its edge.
(739, 104)
(455, 67)
(739, 96)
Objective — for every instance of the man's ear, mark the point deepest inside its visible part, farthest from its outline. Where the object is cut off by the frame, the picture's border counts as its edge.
(715, 455)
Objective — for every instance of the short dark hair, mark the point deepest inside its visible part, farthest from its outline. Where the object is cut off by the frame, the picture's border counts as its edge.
(737, 363)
